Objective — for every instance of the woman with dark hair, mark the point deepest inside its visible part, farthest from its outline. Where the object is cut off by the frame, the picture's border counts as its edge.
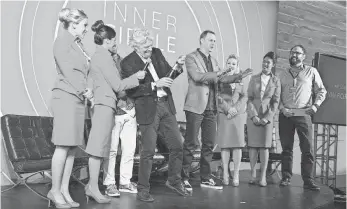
(68, 95)
(263, 99)
(231, 120)
(107, 83)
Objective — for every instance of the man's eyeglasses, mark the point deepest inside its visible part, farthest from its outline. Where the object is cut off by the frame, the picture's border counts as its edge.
(296, 53)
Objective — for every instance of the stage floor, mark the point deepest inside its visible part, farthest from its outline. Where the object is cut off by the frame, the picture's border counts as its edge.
(243, 197)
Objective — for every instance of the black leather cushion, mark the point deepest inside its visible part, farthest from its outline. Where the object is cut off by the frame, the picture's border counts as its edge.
(31, 166)
(28, 142)
(27, 137)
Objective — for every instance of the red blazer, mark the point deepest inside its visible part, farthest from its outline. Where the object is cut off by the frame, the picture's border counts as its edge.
(71, 65)
(107, 81)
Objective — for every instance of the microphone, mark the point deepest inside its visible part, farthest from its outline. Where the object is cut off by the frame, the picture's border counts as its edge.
(225, 72)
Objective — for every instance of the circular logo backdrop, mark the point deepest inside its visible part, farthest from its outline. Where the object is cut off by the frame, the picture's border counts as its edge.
(28, 69)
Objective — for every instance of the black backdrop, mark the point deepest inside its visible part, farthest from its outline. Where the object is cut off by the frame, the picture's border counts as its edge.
(332, 70)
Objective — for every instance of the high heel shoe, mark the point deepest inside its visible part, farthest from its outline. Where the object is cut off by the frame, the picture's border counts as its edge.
(262, 183)
(53, 202)
(226, 182)
(225, 179)
(89, 194)
(252, 180)
(73, 204)
(236, 181)
(230, 176)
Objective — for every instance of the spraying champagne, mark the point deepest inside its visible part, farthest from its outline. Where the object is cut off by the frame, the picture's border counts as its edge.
(176, 69)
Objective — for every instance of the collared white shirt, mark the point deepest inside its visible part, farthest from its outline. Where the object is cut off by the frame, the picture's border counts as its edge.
(264, 81)
(297, 90)
(160, 91)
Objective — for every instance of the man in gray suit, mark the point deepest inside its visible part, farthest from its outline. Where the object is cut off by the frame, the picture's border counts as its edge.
(201, 107)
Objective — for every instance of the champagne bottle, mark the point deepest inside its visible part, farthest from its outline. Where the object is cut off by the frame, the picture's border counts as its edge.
(175, 72)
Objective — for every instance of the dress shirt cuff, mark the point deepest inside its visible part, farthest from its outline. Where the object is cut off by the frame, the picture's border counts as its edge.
(154, 85)
(317, 105)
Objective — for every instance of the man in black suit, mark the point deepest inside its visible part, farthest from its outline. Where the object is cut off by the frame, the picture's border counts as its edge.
(155, 111)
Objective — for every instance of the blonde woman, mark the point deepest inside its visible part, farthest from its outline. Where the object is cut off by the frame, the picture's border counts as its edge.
(231, 120)
(68, 95)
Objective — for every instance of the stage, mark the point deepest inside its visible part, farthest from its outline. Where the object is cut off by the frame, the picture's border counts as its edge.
(245, 196)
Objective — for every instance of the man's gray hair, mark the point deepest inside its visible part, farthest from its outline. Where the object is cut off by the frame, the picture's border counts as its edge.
(139, 37)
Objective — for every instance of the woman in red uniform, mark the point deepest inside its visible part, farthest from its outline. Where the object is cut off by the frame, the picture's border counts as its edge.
(231, 121)
(68, 95)
(107, 83)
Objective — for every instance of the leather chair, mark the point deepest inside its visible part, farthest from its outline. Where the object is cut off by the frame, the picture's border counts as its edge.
(29, 149)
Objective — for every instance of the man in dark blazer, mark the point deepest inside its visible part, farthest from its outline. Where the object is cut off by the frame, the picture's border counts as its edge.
(155, 111)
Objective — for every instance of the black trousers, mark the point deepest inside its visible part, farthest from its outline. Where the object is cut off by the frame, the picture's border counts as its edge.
(165, 123)
(161, 146)
(303, 126)
(208, 123)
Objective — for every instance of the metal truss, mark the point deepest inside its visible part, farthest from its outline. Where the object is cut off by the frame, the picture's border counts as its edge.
(325, 148)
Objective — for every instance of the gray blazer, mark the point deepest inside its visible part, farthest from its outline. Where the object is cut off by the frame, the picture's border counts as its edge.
(107, 81)
(72, 66)
(267, 106)
(198, 82)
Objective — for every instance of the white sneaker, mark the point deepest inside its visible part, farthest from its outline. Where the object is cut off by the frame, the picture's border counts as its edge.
(187, 185)
(112, 191)
(129, 188)
(210, 183)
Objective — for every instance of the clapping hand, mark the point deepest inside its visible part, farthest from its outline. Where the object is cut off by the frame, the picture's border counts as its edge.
(232, 112)
(263, 121)
(256, 120)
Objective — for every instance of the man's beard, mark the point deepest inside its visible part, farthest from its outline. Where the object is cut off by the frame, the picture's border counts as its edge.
(294, 61)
